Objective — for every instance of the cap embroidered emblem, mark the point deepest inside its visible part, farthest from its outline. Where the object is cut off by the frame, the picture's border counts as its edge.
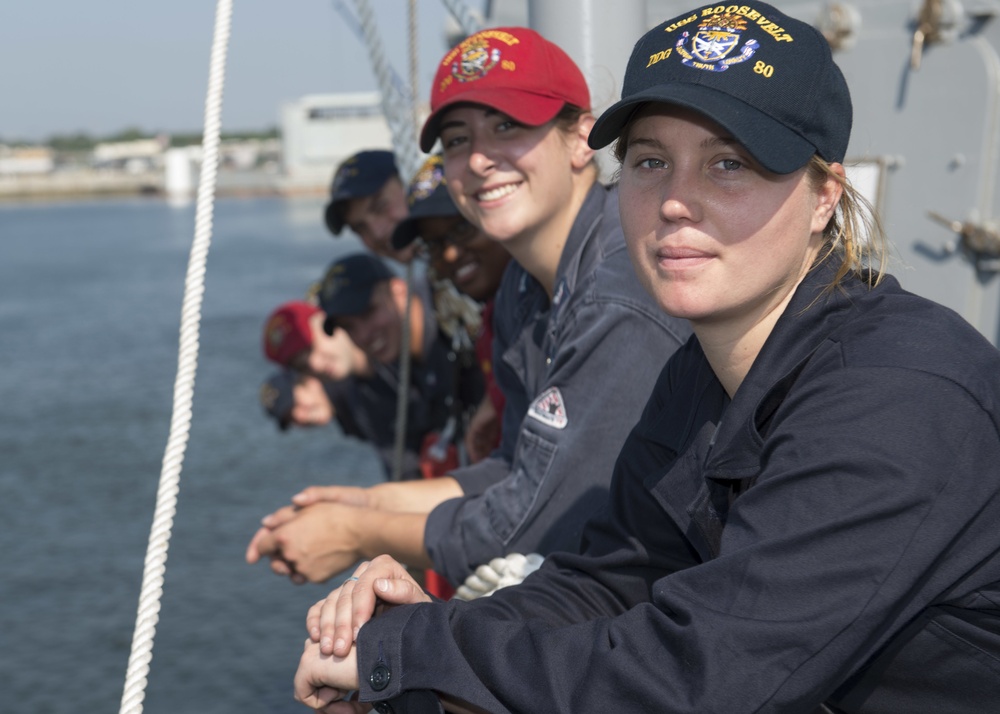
(716, 38)
(336, 280)
(268, 396)
(276, 331)
(348, 169)
(430, 176)
(476, 61)
(550, 409)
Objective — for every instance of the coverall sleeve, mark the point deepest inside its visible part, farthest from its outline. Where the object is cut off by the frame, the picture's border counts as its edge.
(603, 370)
(862, 516)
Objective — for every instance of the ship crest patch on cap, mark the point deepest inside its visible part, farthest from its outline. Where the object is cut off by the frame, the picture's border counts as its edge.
(335, 281)
(717, 36)
(719, 33)
(277, 329)
(476, 60)
(268, 396)
(349, 169)
(427, 180)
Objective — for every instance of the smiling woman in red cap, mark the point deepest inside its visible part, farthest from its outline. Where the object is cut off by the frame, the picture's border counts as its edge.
(805, 517)
(577, 342)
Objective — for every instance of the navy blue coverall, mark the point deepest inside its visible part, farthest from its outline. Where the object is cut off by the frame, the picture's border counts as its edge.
(831, 535)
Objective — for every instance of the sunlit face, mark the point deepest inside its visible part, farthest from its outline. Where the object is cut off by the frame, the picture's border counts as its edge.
(510, 180)
(311, 404)
(378, 330)
(462, 253)
(375, 217)
(714, 237)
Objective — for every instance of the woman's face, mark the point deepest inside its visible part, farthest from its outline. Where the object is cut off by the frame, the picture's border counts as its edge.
(508, 179)
(462, 253)
(713, 236)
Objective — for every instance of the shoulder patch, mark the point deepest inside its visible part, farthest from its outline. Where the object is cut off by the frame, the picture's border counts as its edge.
(549, 409)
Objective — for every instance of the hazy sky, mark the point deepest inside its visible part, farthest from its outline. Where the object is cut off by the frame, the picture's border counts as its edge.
(100, 66)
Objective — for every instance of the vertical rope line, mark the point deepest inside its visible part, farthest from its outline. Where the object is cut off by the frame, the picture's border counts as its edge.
(408, 159)
(414, 67)
(151, 591)
(402, 398)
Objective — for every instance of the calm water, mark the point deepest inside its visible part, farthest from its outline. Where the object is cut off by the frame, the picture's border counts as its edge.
(89, 316)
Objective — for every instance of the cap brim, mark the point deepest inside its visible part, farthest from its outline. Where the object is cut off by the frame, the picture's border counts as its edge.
(776, 147)
(355, 304)
(329, 325)
(437, 205)
(332, 218)
(525, 107)
(405, 233)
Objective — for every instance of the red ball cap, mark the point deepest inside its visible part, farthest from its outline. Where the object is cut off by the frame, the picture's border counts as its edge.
(287, 331)
(511, 69)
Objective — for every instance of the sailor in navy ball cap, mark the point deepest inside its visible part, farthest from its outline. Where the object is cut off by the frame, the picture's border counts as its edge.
(348, 285)
(426, 197)
(368, 197)
(767, 78)
(277, 398)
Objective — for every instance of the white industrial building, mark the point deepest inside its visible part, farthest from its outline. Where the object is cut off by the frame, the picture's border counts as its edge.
(321, 130)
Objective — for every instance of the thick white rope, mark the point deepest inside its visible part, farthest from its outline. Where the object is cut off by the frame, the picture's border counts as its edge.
(498, 573)
(187, 363)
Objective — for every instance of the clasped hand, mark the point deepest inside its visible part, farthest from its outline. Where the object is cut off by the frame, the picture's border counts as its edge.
(328, 669)
(315, 538)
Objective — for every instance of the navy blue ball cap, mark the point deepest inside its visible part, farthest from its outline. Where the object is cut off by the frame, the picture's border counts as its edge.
(767, 78)
(426, 197)
(360, 175)
(347, 286)
(277, 397)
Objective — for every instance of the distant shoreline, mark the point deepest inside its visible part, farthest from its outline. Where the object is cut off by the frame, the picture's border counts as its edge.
(82, 184)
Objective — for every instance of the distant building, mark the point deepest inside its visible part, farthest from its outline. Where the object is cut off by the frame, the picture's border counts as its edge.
(131, 156)
(26, 160)
(321, 130)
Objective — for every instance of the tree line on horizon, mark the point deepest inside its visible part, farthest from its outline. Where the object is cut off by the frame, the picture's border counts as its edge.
(83, 141)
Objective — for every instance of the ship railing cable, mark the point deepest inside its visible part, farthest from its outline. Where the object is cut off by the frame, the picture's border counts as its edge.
(352, 24)
(187, 362)
(468, 21)
(395, 105)
(398, 111)
(402, 115)
(414, 66)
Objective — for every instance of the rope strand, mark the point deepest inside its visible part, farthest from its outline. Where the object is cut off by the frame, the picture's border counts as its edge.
(151, 591)
(404, 138)
(469, 23)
